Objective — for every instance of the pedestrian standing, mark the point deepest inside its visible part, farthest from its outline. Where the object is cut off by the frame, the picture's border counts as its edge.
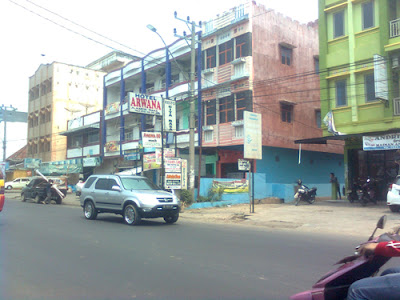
(335, 187)
(48, 192)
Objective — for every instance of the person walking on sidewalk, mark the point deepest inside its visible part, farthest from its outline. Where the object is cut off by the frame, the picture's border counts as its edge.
(335, 187)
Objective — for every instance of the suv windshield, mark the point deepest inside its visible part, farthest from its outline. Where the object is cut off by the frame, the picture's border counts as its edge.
(138, 184)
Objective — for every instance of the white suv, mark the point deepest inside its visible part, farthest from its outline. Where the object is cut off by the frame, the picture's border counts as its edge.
(17, 183)
(133, 197)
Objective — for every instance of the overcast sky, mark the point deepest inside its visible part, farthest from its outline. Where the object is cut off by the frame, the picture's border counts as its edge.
(27, 39)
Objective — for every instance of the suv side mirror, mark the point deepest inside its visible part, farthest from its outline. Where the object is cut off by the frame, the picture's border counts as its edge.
(116, 188)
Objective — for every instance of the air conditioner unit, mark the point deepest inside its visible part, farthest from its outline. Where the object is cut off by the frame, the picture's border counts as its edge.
(395, 62)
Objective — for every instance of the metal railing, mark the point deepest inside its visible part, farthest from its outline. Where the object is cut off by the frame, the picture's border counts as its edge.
(394, 28)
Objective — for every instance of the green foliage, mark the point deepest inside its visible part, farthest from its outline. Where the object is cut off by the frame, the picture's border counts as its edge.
(186, 197)
(214, 194)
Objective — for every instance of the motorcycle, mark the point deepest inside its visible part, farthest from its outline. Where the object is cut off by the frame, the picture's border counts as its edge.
(304, 193)
(363, 191)
(335, 284)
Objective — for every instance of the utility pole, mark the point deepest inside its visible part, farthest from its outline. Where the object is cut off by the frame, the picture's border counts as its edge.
(192, 124)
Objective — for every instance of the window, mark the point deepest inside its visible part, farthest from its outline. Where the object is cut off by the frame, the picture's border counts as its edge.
(211, 59)
(341, 94)
(243, 45)
(75, 141)
(48, 116)
(243, 102)
(89, 182)
(129, 135)
(208, 136)
(368, 14)
(239, 70)
(316, 65)
(101, 184)
(286, 56)
(226, 113)
(239, 131)
(318, 118)
(286, 113)
(92, 137)
(211, 112)
(338, 24)
(369, 83)
(225, 53)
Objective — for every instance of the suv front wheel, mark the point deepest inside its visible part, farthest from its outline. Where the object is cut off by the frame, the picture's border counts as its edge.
(172, 218)
(131, 215)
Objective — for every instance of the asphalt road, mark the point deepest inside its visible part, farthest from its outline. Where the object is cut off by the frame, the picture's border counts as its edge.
(52, 252)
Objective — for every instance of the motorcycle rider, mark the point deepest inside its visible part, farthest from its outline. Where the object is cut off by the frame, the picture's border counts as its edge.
(386, 286)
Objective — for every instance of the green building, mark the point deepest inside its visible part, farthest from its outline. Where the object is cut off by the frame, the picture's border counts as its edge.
(359, 63)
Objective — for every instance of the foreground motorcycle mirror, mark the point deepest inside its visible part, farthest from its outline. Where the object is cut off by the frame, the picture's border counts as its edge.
(381, 224)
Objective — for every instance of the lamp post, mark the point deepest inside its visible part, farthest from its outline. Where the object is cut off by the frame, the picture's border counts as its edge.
(152, 28)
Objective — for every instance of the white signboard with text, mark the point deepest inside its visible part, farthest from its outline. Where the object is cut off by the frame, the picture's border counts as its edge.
(381, 142)
(173, 181)
(172, 165)
(252, 135)
(144, 104)
(169, 115)
(151, 139)
(381, 78)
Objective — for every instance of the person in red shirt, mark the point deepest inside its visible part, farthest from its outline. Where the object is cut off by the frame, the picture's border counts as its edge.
(384, 287)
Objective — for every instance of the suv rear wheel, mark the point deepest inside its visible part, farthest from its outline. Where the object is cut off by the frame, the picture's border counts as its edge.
(89, 210)
(131, 215)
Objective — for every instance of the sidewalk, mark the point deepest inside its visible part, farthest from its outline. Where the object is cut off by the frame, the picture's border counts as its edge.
(326, 216)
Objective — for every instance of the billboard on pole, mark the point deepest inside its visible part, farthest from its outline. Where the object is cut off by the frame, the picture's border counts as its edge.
(252, 135)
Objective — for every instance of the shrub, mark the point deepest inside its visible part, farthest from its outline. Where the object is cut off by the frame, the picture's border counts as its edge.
(186, 197)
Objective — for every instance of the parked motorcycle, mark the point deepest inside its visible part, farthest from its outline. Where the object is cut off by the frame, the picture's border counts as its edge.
(363, 191)
(335, 284)
(304, 193)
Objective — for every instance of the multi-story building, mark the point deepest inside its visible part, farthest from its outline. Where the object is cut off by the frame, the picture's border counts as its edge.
(359, 69)
(59, 92)
(250, 59)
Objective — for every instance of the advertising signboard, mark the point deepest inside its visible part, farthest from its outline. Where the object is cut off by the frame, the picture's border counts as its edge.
(151, 139)
(252, 135)
(173, 181)
(169, 115)
(380, 78)
(381, 142)
(172, 165)
(184, 174)
(144, 104)
(150, 162)
(243, 165)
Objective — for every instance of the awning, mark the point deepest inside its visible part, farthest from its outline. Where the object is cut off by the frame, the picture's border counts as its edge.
(79, 129)
(324, 139)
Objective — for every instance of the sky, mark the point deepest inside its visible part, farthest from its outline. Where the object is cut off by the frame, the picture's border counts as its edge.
(30, 36)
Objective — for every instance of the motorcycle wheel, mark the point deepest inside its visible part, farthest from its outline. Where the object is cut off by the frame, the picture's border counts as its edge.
(364, 201)
(311, 200)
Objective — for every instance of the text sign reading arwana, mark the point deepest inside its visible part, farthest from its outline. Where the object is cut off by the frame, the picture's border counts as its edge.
(252, 135)
(144, 104)
(151, 139)
(381, 142)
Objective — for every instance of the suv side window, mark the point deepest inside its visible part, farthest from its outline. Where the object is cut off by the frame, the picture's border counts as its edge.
(89, 182)
(111, 183)
(102, 184)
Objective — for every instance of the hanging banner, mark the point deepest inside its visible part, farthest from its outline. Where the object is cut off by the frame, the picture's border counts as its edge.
(111, 146)
(144, 104)
(151, 139)
(150, 162)
(381, 78)
(169, 115)
(381, 142)
(232, 186)
(112, 108)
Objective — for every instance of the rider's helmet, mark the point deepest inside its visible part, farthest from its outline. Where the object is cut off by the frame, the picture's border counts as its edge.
(299, 182)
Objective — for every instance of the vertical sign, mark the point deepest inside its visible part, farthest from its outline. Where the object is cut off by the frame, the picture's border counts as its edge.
(169, 115)
(252, 135)
(381, 78)
(184, 174)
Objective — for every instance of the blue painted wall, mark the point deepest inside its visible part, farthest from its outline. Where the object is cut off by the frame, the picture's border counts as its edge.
(278, 172)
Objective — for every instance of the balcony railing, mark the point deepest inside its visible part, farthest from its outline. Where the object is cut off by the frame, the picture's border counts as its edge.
(394, 28)
(396, 106)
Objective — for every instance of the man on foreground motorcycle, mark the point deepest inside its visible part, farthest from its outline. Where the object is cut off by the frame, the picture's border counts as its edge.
(386, 286)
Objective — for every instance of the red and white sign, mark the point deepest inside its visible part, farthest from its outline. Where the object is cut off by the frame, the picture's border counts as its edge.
(151, 139)
(144, 104)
